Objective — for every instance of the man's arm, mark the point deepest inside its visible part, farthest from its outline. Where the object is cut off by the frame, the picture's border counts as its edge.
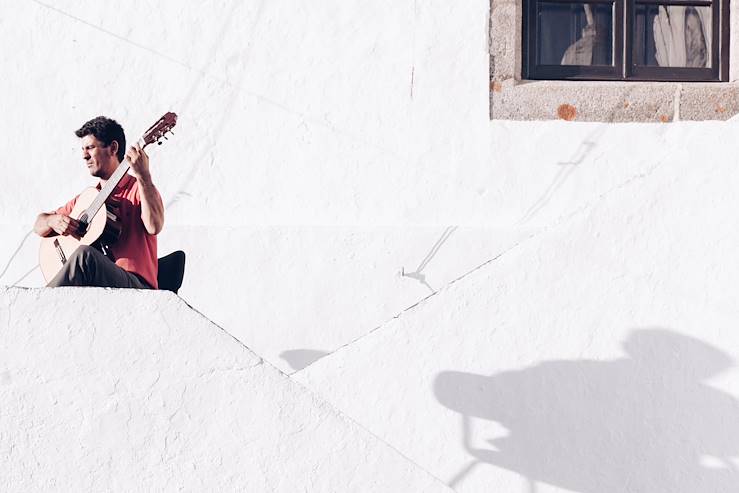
(152, 208)
(52, 224)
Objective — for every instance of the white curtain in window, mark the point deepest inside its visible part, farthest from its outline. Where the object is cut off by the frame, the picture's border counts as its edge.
(581, 51)
(682, 36)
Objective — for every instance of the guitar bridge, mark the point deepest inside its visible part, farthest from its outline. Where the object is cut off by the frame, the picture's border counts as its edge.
(60, 252)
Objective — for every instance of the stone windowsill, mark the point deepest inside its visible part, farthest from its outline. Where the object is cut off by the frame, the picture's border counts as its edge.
(612, 101)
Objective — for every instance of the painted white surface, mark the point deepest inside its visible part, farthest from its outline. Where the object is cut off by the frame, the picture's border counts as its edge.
(135, 391)
(324, 148)
(600, 355)
(320, 150)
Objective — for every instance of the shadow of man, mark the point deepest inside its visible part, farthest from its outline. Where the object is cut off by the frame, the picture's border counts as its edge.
(646, 423)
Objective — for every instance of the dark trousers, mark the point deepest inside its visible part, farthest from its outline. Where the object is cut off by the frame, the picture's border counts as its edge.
(87, 266)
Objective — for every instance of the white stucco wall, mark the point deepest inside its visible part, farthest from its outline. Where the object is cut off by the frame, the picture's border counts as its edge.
(324, 150)
(134, 391)
(600, 355)
(320, 151)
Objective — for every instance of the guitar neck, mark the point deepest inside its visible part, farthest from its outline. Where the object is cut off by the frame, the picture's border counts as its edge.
(110, 185)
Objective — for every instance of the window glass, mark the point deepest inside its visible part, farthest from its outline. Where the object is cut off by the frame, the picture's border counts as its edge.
(672, 36)
(575, 33)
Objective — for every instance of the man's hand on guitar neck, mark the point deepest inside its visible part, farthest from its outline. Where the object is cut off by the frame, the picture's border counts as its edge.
(152, 207)
(139, 163)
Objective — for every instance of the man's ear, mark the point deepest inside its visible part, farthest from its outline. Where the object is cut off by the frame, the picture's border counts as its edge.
(114, 147)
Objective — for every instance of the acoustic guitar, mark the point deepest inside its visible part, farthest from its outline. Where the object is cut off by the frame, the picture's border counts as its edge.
(96, 211)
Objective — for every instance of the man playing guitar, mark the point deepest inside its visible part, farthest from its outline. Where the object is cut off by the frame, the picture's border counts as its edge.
(135, 204)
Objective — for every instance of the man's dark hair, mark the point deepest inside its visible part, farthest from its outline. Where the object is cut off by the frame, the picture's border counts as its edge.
(106, 130)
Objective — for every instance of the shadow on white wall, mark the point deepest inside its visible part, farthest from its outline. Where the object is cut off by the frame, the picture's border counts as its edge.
(300, 358)
(645, 423)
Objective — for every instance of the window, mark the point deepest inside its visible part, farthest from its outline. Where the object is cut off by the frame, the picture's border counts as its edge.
(643, 40)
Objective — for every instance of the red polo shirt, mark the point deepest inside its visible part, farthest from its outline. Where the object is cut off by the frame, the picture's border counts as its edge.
(135, 250)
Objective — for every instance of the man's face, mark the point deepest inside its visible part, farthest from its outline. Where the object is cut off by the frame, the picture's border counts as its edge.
(100, 159)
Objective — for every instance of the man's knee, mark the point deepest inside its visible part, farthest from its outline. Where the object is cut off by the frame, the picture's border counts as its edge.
(78, 270)
(83, 257)
(83, 252)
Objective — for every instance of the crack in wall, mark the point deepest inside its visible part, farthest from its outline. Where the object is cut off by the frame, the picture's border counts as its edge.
(180, 405)
(15, 253)
(315, 121)
(413, 46)
(230, 103)
(342, 415)
(15, 284)
(418, 274)
(567, 168)
(260, 361)
(118, 36)
(678, 97)
(559, 222)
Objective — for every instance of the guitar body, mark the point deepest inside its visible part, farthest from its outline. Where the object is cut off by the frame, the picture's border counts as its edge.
(103, 229)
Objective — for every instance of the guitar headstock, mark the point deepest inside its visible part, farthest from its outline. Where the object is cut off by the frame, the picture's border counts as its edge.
(156, 132)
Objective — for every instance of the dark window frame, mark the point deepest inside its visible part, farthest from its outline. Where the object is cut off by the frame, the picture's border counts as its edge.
(624, 68)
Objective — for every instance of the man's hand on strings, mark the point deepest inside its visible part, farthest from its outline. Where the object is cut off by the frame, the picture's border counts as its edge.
(64, 225)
